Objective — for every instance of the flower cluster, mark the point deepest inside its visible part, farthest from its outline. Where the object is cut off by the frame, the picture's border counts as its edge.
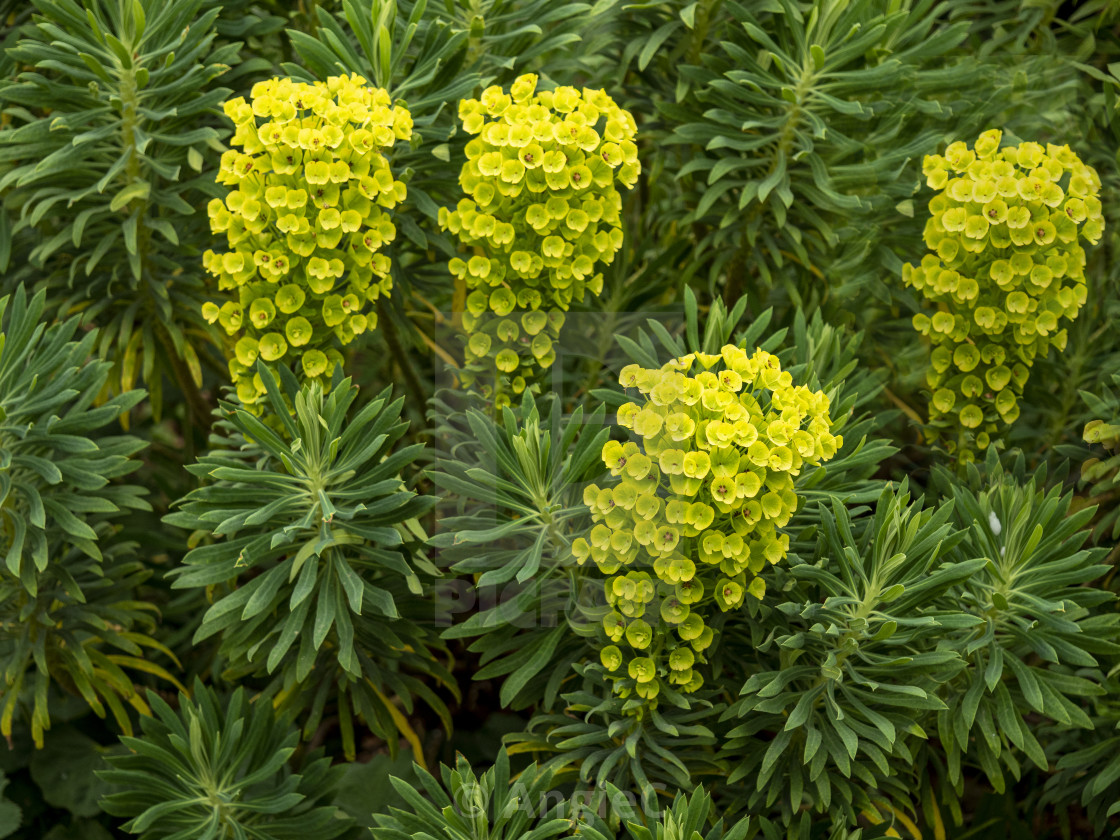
(699, 503)
(1006, 270)
(516, 344)
(542, 211)
(304, 222)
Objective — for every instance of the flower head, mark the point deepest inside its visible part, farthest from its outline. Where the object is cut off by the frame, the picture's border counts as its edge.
(309, 187)
(1005, 270)
(542, 206)
(698, 499)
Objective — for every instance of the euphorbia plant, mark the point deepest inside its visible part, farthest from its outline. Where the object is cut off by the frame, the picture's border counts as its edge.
(103, 156)
(1005, 272)
(305, 223)
(700, 503)
(70, 615)
(308, 539)
(216, 768)
(542, 215)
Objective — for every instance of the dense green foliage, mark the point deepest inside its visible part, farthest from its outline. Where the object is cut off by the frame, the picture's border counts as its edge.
(108, 155)
(68, 585)
(686, 420)
(315, 538)
(217, 768)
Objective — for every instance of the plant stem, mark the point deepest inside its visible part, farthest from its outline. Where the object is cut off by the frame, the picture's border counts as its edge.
(699, 35)
(392, 339)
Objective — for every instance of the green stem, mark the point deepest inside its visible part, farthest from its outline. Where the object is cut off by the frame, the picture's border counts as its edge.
(499, 380)
(962, 471)
(865, 609)
(475, 49)
(781, 152)
(197, 408)
(549, 520)
(130, 122)
(701, 24)
(392, 339)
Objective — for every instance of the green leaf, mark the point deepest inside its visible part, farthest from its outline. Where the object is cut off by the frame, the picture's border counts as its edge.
(10, 814)
(64, 771)
(538, 658)
(364, 790)
(654, 42)
(385, 54)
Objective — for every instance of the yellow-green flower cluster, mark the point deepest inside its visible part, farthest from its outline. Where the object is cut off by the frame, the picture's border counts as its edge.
(1006, 272)
(305, 222)
(697, 509)
(517, 344)
(1103, 474)
(542, 212)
